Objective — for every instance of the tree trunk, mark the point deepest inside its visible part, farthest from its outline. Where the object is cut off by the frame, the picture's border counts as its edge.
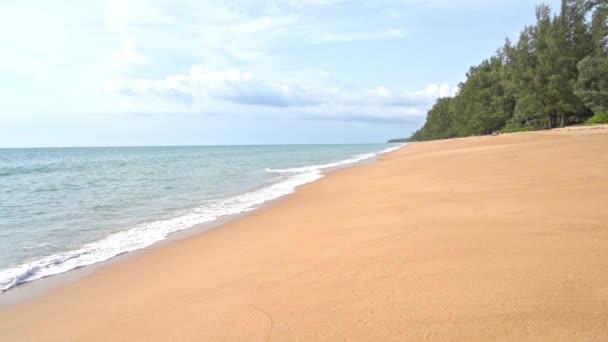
(563, 123)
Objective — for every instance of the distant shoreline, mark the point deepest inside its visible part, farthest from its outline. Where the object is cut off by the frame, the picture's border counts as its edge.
(400, 140)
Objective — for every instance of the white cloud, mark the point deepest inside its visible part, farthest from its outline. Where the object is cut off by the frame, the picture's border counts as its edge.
(126, 57)
(194, 90)
(129, 56)
(438, 90)
(223, 35)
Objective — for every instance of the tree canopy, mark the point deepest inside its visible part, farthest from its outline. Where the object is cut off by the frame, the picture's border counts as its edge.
(555, 74)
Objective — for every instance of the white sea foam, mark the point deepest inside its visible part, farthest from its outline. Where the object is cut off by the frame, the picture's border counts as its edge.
(318, 168)
(146, 234)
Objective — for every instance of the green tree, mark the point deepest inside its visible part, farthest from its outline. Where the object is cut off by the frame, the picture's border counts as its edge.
(519, 80)
(569, 41)
(439, 124)
(592, 83)
(555, 74)
(483, 104)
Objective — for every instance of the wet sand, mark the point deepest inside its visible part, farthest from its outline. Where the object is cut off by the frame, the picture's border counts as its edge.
(481, 238)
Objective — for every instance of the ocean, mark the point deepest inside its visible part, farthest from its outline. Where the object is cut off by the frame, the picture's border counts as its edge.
(65, 208)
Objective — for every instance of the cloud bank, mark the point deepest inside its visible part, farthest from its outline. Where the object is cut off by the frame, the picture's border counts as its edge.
(195, 89)
(200, 57)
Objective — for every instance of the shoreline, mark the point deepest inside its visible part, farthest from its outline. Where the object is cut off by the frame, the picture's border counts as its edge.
(479, 238)
(32, 290)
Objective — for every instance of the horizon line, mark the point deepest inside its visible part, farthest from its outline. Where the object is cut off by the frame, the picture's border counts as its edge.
(202, 145)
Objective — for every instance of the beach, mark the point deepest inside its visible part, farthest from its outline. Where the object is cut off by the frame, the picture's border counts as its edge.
(495, 237)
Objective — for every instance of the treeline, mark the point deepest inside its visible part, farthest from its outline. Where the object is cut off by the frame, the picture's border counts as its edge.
(556, 74)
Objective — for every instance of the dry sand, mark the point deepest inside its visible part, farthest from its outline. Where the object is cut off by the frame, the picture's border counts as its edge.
(469, 239)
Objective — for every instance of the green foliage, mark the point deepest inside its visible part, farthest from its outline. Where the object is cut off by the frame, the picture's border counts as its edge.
(483, 105)
(439, 124)
(556, 74)
(600, 118)
(511, 128)
(592, 84)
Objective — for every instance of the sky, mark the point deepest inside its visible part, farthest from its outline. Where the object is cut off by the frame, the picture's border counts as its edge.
(206, 72)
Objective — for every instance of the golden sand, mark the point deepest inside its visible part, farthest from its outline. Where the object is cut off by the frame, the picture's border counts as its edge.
(469, 239)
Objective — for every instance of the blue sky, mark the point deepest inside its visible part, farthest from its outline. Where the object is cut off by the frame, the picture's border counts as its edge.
(187, 72)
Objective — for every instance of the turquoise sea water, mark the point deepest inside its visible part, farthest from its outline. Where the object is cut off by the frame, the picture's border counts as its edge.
(63, 208)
